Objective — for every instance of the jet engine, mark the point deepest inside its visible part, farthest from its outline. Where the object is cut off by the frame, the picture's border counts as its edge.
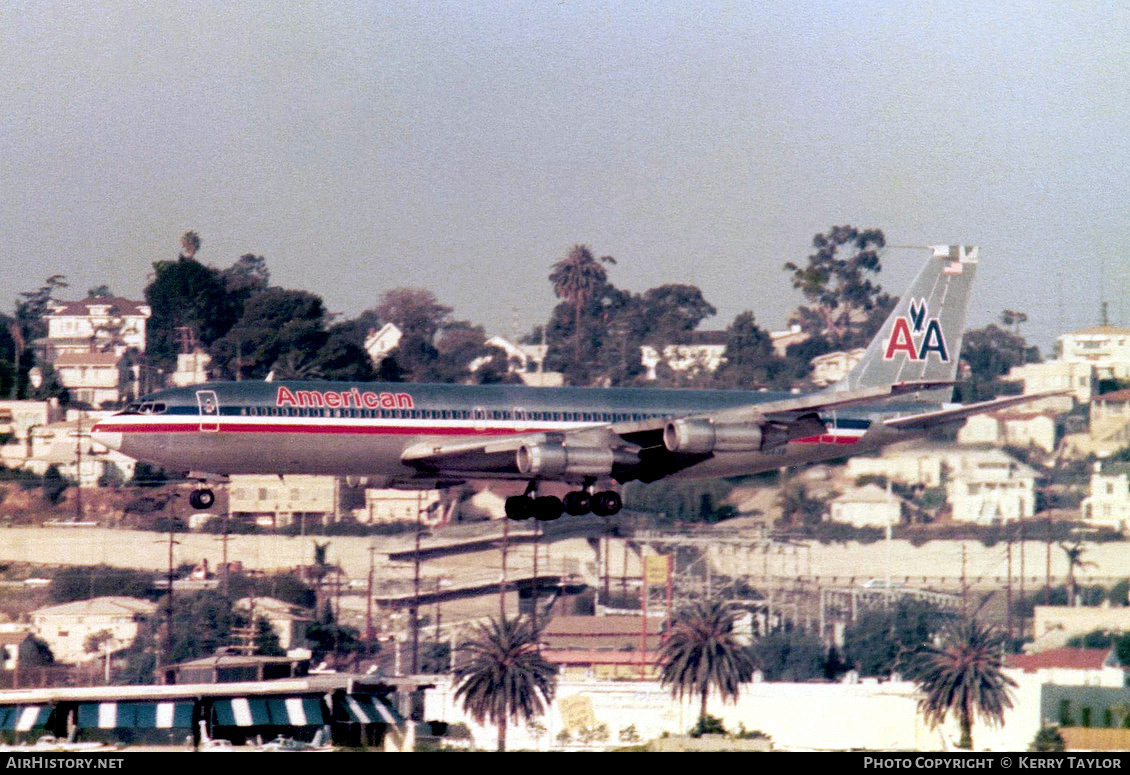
(699, 437)
(550, 459)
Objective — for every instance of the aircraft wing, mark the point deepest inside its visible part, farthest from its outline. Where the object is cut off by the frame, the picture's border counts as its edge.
(941, 416)
(648, 449)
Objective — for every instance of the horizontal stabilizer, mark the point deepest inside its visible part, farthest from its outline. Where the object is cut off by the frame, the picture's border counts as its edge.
(931, 419)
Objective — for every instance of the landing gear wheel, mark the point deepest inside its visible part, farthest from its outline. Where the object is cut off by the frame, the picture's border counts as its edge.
(547, 508)
(201, 499)
(519, 507)
(606, 503)
(578, 503)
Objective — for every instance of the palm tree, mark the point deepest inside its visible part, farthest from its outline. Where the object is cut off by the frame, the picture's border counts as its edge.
(964, 675)
(576, 279)
(701, 653)
(502, 677)
(189, 244)
(1075, 561)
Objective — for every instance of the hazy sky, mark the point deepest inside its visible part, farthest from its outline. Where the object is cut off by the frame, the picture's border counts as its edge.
(465, 146)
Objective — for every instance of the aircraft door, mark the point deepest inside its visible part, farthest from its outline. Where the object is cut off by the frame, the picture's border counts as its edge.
(209, 410)
(480, 418)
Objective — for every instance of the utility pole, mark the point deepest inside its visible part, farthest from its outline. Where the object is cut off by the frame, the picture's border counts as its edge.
(964, 583)
(169, 596)
(1008, 588)
(502, 580)
(78, 467)
(534, 607)
(414, 613)
(1023, 601)
(369, 600)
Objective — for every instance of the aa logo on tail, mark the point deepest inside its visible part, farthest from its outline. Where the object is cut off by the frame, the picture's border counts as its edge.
(916, 336)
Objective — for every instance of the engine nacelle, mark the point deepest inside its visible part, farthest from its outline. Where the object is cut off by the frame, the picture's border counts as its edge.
(560, 460)
(699, 437)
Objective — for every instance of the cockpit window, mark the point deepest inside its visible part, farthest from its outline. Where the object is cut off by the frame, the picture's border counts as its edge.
(146, 407)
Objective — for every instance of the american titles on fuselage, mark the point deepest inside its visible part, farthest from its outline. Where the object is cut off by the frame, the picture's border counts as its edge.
(342, 399)
(915, 336)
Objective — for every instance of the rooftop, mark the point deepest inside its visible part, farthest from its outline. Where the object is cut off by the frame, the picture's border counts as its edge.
(1064, 658)
(103, 606)
(117, 305)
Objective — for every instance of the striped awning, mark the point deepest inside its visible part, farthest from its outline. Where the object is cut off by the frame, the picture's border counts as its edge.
(272, 711)
(22, 718)
(135, 715)
(370, 709)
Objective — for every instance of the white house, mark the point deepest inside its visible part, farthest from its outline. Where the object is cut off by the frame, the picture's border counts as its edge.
(66, 627)
(107, 324)
(1110, 420)
(93, 378)
(1075, 376)
(1011, 428)
(1108, 505)
(696, 352)
(380, 342)
(192, 368)
(988, 486)
(867, 506)
(1105, 348)
(392, 505)
(279, 501)
(67, 446)
(834, 366)
(909, 466)
(288, 621)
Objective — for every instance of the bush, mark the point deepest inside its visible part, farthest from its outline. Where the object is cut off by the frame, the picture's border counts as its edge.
(707, 725)
(1047, 740)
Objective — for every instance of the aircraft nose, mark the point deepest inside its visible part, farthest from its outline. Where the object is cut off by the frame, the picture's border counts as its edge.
(109, 439)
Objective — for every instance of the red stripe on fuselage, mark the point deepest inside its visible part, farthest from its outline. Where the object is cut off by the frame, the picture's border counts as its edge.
(378, 430)
(385, 430)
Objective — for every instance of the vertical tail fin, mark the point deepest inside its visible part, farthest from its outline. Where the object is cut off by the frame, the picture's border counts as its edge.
(921, 339)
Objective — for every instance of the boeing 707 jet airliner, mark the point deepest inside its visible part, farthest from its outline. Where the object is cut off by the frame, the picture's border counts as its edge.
(421, 436)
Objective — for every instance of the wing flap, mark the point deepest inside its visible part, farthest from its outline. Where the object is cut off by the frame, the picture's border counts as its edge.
(789, 409)
(930, 419)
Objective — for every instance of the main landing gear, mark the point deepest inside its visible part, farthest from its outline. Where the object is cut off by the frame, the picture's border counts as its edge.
(201, 499)
(577, 503)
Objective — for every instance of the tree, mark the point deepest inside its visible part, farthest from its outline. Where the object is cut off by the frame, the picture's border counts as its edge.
(576, 279)
(266, 640)
(189, 243)
(963, 676)
(54, 485)
(989, 353)
(798, 507)
(35, 652)
(1012, 318)
(883, 641)
(502, 677)
(202, 623)
(671, 311)
(184, 294)
(701, 653)
(790, 655)
(29, 325)
(275, 323)
(749, 360)
(845, 306)
(1074, 556)
(420, 317)
(328, 638)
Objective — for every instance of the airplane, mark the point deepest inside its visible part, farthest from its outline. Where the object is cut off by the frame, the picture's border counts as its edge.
(418, 436)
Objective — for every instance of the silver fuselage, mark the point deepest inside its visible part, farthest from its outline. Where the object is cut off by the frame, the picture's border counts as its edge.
(362, 429)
